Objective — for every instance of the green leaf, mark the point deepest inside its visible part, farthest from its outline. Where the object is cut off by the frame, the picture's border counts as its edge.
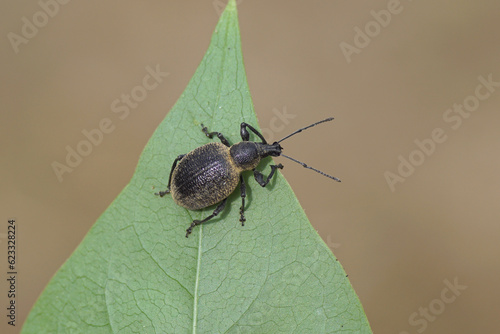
(135, 272)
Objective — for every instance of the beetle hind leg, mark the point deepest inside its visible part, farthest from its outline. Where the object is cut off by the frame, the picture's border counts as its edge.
(217, 210)
(163, 193)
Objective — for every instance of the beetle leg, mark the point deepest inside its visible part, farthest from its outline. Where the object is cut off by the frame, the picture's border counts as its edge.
(215, 133)
(243, 195)
(259, 177)
(163, 193)
(217, 210)
(246, 136)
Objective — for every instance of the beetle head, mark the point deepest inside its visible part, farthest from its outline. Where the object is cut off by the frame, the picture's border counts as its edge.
(246, 155)
(266, 150)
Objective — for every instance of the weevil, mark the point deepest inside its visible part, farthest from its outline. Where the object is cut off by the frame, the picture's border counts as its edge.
(210, 173)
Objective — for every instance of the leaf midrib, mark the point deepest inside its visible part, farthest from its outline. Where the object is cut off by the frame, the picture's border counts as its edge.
(198, 264)
(200, 238)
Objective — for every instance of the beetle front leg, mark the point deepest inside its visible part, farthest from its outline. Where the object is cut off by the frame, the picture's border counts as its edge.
(215, 133)
(246, 136)
(259, 177)
(163, 193)
(217, 210)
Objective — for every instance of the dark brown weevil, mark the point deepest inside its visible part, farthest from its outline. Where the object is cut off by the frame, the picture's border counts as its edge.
(210, 173)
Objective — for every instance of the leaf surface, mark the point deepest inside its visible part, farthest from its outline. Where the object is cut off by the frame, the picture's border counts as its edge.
(135, 272)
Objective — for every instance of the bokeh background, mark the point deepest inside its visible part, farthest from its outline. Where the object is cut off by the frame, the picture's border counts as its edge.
(400, 246)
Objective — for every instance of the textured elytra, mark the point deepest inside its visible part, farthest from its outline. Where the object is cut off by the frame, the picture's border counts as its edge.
(203, 177)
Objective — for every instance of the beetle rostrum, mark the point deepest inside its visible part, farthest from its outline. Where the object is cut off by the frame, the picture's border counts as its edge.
(210, 173)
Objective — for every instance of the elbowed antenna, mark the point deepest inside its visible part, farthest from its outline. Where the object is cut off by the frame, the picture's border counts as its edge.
(305, 128)
(301, 163)
(309, 167)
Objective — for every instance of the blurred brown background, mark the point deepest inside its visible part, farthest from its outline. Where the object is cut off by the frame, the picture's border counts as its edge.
(401, 247)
